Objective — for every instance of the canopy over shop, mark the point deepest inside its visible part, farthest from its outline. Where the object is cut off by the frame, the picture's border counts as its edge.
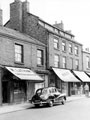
(25, 74)
(82, 76)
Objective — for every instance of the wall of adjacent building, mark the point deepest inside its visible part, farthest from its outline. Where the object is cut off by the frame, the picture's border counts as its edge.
(59, 52)
(86, 54)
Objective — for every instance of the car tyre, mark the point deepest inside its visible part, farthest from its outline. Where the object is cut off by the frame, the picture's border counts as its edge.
(63, 101)
(50, 103)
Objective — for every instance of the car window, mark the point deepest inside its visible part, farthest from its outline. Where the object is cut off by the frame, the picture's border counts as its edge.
(44, 91)
(38, 91)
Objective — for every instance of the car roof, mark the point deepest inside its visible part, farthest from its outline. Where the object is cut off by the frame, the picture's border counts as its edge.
(46, 88)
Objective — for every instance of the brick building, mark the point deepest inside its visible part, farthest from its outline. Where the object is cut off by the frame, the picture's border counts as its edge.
(62, 52)
(22, 65)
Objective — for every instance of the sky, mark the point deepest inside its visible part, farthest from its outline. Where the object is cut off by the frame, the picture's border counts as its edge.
(75, 15)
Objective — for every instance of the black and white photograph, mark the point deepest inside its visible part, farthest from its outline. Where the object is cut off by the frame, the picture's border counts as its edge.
(44, 60)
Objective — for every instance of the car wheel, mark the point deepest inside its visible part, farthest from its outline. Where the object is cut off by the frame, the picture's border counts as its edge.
(63, 101)
(50, 103)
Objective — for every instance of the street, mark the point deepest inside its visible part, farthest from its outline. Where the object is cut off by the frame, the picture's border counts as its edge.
(73, 110)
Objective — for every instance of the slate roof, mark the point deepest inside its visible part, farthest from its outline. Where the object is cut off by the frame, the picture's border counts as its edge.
(7, 32)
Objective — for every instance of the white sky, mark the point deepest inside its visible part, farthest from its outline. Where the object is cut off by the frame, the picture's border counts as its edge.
(75, 15)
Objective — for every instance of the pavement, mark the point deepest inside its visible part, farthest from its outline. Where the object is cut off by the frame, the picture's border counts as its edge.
(6, 108)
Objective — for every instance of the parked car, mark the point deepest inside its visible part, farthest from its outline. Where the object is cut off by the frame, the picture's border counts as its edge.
(48, 96)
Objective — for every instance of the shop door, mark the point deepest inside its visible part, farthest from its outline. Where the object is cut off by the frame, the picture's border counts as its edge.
(5, 92)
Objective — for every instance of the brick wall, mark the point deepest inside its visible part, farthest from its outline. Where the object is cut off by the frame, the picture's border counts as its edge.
(32, 28)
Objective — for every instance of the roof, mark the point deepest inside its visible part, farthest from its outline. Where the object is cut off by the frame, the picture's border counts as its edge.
(51, 26)
(17, 35)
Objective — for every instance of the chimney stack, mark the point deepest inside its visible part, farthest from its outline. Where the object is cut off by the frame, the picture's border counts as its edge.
(25, 6)
(16, 15)
(59, 25)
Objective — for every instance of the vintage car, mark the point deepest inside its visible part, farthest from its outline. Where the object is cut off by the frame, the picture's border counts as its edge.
(48, 96)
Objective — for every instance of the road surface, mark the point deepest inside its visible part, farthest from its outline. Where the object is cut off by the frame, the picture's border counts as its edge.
(73, 110)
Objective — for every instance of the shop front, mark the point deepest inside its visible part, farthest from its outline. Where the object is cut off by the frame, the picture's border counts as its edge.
(18, 84)
(84, 77)
(65, 81)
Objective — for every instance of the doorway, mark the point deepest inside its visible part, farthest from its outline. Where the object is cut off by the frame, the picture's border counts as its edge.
(4, 92)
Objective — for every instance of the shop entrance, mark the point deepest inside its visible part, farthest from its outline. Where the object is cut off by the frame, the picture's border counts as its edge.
(5, 92)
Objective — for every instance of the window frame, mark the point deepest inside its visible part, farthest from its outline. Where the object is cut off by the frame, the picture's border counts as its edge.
(70, 48)
(77, 65)
(56, 43)
(76, 50)
(63, 46)
(56, 61)
(64, 63)
(19, 54)
(40, 59)
(87, 62)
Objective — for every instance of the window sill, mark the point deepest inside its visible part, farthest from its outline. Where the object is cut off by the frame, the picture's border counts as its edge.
(40, 65)
(56, 49)
(63, 51)
(19, 63)
(71, 53)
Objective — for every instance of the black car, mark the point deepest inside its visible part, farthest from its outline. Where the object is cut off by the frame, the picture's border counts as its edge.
(48, 96)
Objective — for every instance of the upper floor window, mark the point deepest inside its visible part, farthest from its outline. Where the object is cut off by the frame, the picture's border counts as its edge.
(76, 50)
(87, 62)
(77, 64)
(64, 62)
(56, 61)
(56, 43)
(71, 63)
(39, 57)
(18, 53)
(63, 46)
(70, 48)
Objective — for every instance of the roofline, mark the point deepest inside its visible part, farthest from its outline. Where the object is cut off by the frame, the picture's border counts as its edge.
(15, 37)
(66, 38)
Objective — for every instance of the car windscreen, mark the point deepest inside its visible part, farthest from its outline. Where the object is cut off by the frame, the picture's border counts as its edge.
(44, 91)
